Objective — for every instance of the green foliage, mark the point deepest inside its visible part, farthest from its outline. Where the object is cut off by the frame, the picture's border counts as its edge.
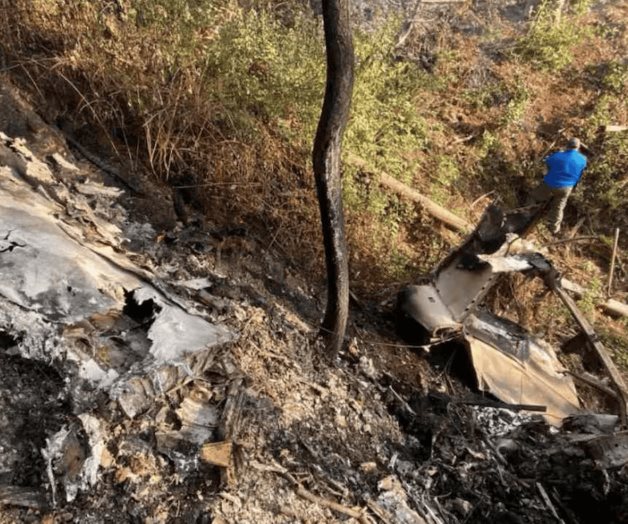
(516, 107)
(604, 179)
(616, 79)
(485, 96)
(385, 125)
(594, 292)
(581, 7)
(551, 37)
(384, 130)
(273, 74)
(276, 73)
(267, 73)
(603, 190)
(447, 174)
(180, 24)
(618, 344)
(488, 142)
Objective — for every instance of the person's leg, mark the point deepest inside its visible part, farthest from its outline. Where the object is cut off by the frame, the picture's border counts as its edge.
(557, 208)
(541, 193)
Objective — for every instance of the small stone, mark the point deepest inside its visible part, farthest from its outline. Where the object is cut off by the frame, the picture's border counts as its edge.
(368, 467)
(462, 507)
(106, 459)
(367, 367)
(341, 420)
(389, 483)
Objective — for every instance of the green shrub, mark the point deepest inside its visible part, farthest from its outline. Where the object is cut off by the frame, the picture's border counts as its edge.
(273, 75)
(615, 80)
(550, 38)
(516, 106)
(447, 175)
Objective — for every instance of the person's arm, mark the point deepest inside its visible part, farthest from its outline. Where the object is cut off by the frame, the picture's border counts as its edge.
(584, 165)
(548, 160)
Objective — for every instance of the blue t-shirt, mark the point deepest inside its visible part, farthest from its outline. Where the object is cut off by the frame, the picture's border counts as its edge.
(564, 168)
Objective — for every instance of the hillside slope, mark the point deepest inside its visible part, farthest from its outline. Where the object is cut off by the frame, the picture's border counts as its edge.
(175, 139)
(99, 429)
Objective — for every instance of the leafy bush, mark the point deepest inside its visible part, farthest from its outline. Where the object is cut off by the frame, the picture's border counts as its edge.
(551, 37)
(604, 184)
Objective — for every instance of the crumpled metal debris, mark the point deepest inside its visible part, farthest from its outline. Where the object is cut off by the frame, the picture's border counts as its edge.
(518, 368)
(58, 274)
(70, 295)
(508, 362)
(484, 464)
(72, 463)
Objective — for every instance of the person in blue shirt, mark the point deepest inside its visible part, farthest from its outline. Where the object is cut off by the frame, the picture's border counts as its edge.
(564, 170)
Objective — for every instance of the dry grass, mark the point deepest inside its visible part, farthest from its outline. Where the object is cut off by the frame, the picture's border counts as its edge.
(158, 117)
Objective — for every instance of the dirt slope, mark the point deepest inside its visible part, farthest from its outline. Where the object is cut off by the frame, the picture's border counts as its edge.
(374, 432)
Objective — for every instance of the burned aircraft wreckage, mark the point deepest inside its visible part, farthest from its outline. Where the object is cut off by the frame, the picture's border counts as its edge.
(509, 363)
(95, 321)
(91, 336)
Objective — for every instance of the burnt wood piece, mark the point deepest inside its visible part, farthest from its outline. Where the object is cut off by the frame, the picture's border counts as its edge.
(553, 282)
(23, 497)
(326, 161)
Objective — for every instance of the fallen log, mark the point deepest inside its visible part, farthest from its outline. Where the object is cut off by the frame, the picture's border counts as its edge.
(442, 214)
(432, 208)
(456, 223)
(615, 129)
(614, 307)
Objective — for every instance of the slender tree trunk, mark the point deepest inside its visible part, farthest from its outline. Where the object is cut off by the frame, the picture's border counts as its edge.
(326, 160)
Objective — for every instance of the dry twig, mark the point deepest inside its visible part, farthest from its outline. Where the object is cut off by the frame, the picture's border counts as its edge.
(613, 257)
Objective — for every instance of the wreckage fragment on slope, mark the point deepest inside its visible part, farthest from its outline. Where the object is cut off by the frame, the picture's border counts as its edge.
(508, 362)
(518, 368)
(54, 273)
(69, 295)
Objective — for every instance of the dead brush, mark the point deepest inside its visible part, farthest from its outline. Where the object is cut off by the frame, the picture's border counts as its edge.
(167, 122)
(159, 103)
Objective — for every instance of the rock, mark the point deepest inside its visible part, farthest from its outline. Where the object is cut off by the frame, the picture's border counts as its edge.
(368, 467)
(367, 367)
(461, 506)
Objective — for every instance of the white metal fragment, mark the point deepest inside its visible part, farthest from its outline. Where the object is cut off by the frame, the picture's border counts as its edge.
(93, 429)
(53, 450)
(175, 332)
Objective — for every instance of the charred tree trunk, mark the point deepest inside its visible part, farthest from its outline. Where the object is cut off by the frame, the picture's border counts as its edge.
(326, 159)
